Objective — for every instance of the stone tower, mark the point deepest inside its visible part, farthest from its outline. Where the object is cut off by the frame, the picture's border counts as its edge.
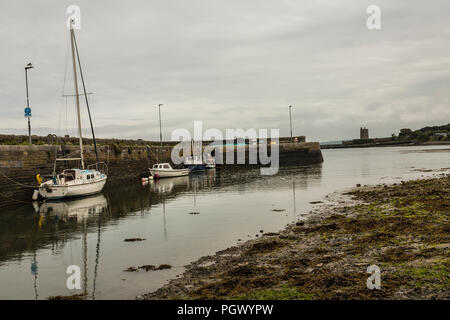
(364, 133)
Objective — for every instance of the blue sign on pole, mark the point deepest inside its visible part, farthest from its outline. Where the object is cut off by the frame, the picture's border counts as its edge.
(27, 112)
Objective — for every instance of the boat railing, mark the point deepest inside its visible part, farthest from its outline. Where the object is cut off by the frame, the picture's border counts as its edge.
(47, 177)
(100, 166)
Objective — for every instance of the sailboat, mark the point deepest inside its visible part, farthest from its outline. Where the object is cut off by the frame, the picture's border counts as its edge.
(75, 182)
(194, 162)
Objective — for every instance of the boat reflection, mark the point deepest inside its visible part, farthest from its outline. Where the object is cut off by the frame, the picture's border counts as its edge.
(75, 209)
(81, 211)
(167, 185)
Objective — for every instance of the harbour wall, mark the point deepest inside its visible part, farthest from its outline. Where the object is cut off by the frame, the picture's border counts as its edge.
(19, 164)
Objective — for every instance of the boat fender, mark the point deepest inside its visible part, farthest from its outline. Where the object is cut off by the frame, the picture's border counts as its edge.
(156, 176)
(38, 178)
(35, 195)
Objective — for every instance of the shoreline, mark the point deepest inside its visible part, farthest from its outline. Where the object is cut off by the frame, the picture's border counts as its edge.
(387, 144)
(402, 228)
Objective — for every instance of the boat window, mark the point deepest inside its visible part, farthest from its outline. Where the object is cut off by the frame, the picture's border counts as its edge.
(69, 175)
(92, 176)
(88, 176)
(166, 166)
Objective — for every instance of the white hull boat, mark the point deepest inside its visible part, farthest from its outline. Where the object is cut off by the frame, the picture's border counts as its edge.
(165, 170)
(85, 182)
(75, 182)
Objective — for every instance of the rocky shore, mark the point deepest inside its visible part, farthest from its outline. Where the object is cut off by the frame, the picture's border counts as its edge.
(402, 228)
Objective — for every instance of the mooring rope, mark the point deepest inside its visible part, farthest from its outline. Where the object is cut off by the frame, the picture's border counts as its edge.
(15, 200)
(17, 182)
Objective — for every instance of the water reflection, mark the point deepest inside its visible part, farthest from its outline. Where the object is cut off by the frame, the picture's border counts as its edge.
(73, 229)
(38, 243)
(55, 223)
(167, 185)
(77, 210)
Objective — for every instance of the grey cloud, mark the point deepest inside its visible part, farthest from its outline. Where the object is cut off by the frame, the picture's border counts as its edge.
(232, 64)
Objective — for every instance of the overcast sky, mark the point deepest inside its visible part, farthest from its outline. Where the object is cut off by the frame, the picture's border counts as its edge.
(230, 63)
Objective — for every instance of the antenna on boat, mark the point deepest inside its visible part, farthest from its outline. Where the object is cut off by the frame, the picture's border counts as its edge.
(77, 97)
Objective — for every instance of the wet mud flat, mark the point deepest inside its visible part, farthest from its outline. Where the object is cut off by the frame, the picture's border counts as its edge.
(402, 228)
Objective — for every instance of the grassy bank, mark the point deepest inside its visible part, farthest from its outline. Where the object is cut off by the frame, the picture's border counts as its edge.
(404, 229)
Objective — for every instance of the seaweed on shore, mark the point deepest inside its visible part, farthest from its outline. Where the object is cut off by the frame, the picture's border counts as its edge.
(402, 228)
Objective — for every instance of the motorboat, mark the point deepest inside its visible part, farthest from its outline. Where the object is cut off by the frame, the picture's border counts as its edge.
(165, 170)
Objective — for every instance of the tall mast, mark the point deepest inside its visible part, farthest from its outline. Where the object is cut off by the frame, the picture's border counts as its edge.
(77, 97)
(87, 101)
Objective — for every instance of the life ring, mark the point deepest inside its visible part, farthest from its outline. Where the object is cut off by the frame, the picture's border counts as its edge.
(38, 179)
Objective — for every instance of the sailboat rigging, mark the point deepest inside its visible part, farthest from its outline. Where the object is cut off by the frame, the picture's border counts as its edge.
(76, 181)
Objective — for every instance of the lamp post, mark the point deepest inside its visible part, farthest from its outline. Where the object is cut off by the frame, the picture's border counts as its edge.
(290, 120)
(28, 110)
(160, 130)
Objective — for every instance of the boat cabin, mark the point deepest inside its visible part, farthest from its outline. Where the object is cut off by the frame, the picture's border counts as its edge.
(78, 175)
(192, 160)
(162, 166)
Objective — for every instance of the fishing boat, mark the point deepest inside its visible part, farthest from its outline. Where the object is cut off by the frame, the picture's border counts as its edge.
(165, 170)
(81, 181)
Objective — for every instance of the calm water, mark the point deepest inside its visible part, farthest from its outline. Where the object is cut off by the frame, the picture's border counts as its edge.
(39, 243)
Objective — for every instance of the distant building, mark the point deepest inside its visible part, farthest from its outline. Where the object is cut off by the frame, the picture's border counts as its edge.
(441, 134)
(364, 134)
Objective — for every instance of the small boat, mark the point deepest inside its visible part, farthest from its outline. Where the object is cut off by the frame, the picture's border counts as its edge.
(75, 182)
(194, 163)
(165, 170)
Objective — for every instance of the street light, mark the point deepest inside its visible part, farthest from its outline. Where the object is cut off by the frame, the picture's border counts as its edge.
(290, 120)
(28, 110)
(160, 131)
